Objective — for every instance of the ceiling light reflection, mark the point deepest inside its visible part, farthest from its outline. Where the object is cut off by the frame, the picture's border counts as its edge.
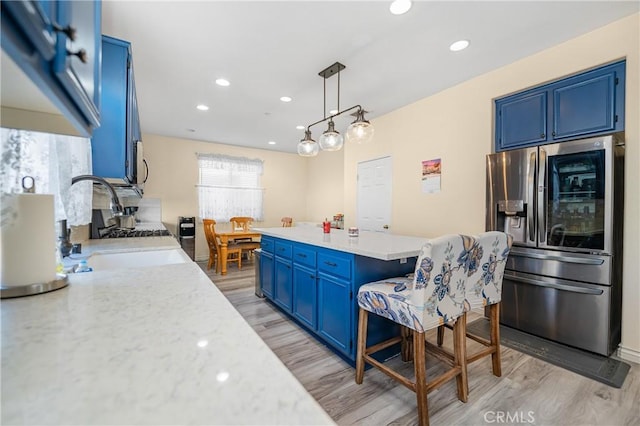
(222, 82)
(398, 7)
(222, 376)
(459, 45)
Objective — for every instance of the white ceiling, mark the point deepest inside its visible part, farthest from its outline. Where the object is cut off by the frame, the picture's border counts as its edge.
(272, 49)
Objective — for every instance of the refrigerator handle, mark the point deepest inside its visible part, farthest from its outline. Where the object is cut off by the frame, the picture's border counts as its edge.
(531, 183)
(554, 285)
(542, 196)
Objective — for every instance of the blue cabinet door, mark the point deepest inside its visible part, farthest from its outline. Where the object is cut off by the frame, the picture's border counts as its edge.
(305, 295)
(36, 18)
(283, 279)
(334, 303)
(266, 274)
(586, 104)
(57, 46)
(521, 120)
(108, 145)
(77, 60)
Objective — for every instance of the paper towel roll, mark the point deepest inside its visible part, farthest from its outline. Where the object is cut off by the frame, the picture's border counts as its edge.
(28, 239)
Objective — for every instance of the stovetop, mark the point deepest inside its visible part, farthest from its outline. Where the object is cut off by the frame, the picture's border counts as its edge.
(131, 233)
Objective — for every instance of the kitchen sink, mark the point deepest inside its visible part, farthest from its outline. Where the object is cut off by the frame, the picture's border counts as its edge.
(136, 259)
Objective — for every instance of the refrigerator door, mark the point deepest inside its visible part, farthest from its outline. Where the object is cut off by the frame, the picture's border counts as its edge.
(575, 184)
(510, 203)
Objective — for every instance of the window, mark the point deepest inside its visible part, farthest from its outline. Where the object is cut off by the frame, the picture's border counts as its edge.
(229, 186)
(51, 160)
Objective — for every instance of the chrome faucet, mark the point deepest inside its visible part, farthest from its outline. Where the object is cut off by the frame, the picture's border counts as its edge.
(116, 207)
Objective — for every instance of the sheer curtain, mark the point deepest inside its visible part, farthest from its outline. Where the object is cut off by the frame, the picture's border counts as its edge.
(229, 186)
(52, 160)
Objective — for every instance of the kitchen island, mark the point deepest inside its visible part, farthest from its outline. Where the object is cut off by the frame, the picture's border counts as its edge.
(145, 345)
(314, 278)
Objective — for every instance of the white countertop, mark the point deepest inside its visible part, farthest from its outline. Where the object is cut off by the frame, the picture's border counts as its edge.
(371, 244)
(155, 345)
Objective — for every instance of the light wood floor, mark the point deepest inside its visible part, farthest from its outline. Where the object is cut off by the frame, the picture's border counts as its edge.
(530, 391)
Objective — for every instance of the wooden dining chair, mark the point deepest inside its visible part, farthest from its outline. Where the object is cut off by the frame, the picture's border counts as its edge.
(434, 296)
(486, 261)
(241, 223)
(286, 222)
(234, 252)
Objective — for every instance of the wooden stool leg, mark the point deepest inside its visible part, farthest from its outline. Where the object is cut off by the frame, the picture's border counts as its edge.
(363, 316)
(494, 314)
(440, 335)
(460, 356)
(406, 346)
(419, 364)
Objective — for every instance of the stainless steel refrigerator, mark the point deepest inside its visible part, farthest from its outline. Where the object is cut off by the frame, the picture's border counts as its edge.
(563, 205)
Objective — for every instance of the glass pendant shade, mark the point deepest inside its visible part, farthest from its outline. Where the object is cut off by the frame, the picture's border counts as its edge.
(360, 131)
(330, 139)
(307, 147)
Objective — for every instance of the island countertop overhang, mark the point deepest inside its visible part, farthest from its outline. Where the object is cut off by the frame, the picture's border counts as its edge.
(376, 245)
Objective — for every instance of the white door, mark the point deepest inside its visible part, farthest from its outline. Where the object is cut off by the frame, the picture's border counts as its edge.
(374, 195)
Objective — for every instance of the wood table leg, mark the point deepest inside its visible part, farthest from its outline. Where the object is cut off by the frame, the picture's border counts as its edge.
(223, 254)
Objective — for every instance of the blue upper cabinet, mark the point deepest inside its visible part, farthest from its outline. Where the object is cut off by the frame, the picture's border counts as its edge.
(522, 119)
(114, 144)
(56, 44)
(590, 103)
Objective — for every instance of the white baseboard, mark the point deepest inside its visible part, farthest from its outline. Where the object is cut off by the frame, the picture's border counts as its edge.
(629, 354)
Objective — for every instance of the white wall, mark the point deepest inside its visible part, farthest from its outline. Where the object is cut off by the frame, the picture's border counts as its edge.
(173, 174)
(457, 126)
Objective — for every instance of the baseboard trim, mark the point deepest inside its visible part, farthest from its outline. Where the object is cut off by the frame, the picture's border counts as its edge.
(628, 354)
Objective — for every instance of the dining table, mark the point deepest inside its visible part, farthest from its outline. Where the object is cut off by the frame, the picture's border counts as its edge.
(226, 237)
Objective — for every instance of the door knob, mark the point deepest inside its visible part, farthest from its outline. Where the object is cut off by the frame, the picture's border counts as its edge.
(386, 226)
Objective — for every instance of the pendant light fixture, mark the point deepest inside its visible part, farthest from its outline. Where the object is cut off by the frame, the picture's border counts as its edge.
(360, 131)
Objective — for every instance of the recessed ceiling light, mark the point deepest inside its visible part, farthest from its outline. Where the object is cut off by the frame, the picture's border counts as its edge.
(271, 142)
(459, 45)
(300, 127)
(285, 99)
(222, 82)
(203, 107)
(398, 7)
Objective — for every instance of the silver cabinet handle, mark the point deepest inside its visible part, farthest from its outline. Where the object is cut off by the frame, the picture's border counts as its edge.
(557, 286)
(563, 258)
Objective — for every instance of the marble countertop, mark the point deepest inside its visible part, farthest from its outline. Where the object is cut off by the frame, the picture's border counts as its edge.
(371, 244)
(155, 345)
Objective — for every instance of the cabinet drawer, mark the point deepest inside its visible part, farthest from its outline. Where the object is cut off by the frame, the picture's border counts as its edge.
(334, 265)
(266, 244)
(304, 256)
(283, 250)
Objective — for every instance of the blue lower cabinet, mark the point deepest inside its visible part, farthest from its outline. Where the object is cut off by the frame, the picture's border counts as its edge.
(305, 296)
(266, 274)
(333, 312)
(317, 287)
(283, 283)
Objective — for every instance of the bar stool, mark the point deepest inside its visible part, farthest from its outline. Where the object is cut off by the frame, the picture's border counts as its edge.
(485, 262)
(434, 296)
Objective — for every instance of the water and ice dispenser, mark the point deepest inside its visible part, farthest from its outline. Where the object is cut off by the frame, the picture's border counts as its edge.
(512, 219)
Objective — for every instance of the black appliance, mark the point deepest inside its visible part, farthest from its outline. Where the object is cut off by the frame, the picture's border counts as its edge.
(187, 235)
